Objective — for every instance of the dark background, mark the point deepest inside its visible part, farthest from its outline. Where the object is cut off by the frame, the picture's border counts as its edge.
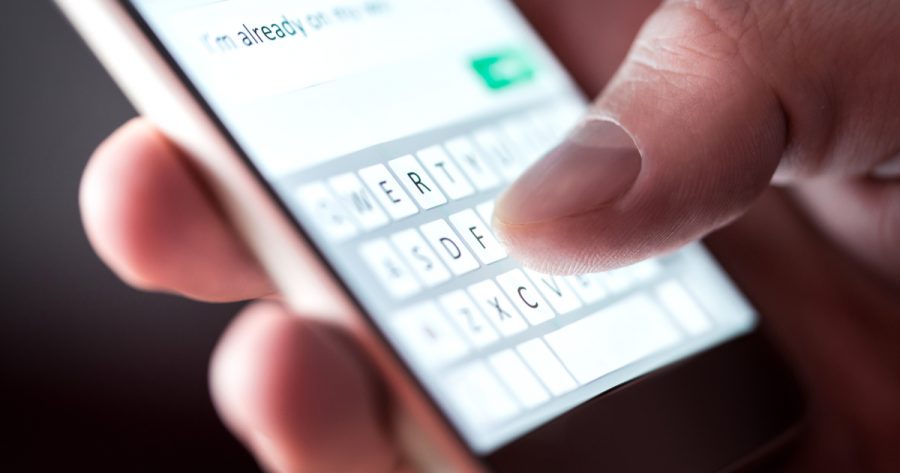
(95, 376)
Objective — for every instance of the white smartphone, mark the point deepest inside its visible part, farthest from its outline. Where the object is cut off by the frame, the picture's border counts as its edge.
(358, 145)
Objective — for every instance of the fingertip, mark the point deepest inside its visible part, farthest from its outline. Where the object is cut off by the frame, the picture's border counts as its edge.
(297, 394)
(148, 217)
(105, 179)
(576, 245)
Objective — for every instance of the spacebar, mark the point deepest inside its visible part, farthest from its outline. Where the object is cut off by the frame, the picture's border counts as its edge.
(613, 338)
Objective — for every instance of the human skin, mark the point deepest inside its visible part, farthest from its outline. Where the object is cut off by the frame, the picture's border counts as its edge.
(719, 96)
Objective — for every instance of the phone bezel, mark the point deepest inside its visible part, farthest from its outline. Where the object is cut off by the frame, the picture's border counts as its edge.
(498, 460)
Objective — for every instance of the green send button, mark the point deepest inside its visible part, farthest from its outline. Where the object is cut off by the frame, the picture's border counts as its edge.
(503, 69)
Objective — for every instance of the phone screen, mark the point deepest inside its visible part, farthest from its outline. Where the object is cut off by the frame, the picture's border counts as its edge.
(387, 128)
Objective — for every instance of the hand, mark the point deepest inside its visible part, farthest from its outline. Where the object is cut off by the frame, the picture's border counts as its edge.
(714, 98)
(300, 395)
(296, 392)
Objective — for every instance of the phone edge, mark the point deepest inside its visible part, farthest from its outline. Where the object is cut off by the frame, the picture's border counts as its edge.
(159, 94)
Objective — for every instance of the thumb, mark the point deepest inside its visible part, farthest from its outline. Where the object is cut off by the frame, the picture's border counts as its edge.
(684, 138)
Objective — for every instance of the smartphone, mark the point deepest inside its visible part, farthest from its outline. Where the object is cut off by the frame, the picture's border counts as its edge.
(358, 145)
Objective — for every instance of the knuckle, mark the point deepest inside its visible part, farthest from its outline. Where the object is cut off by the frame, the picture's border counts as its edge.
(693, 40)
(725, 28)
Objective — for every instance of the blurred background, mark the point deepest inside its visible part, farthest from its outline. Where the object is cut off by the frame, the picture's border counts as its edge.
(95, 376)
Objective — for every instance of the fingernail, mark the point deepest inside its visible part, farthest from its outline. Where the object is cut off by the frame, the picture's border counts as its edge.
(598, 163)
